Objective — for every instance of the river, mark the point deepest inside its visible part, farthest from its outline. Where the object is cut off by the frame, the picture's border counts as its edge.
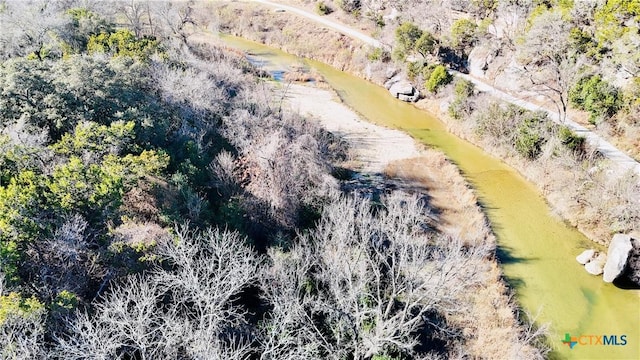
(536, 249)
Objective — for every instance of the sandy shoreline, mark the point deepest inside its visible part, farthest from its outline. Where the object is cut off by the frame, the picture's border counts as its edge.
(372, 147)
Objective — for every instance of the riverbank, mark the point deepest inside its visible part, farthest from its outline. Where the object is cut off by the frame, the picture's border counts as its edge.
(292, 34)
(535, 247)
(580, 192)
(490, 326)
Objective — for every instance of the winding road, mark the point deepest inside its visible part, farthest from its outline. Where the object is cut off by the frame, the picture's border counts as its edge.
(619, 159)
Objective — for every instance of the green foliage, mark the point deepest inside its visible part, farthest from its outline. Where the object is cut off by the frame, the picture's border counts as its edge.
(571, 140)
(426, 44)
(350, 6)
(9, 257)
(596, 96)
(529, 139)
(383, 357)
(461, 106)
(19, 202)
(543, 7)
(415, 68)
(407, 35)
(64, 303)
(439, 77)
(13, 304)
(463, 88)
(84, 24)
(483, 8)
(514, 127)
(378, 54)
(378, 19)
(57, 96)
(463, 33)
(20, 206)
(123, 43)
(323, 9)
(79, 187)
(631, 100)
(583, 43)
(611, 16)
(428, 70)
(97, 139)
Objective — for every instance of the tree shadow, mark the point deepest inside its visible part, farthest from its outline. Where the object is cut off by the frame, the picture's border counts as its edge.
(505, 256)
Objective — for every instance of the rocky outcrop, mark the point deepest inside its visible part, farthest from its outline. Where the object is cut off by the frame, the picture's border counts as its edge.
(633, 262)
(403, 90)
(617, 255)
(586, 256)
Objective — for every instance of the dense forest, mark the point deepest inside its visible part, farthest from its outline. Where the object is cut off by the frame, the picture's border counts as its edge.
(157, 202)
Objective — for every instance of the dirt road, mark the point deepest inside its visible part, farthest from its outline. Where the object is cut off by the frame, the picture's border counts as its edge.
(619, 159)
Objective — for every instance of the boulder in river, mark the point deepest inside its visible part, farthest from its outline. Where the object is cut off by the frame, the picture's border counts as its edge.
(617, 255)
(404, 91)
(595, 266)
(586, 256)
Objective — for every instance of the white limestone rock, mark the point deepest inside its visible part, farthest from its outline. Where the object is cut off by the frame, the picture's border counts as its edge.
(596, 265)
(617, 257)
(586, 256)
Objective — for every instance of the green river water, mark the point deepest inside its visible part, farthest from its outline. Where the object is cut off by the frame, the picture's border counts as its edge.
(537, 250)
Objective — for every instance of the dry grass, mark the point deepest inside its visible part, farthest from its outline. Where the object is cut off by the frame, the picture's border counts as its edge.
(456, 204)
(302, 75)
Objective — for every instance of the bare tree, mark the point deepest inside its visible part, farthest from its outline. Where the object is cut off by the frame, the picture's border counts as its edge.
(289, 331)
(374, 280)
(29, 27)
(135, 12)
(185, 309)
(283, 158)
(64, 261)
(547, 60)
(174, 19)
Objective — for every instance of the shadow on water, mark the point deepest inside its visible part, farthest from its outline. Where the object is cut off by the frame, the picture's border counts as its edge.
(515, 283)
(505, 256)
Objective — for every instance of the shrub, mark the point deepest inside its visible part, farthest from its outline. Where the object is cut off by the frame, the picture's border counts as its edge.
(529, 137)
(13, 304)
(350, 6)
(323, 9)
(463, 33)
(461, 104)
(378, 54)
(571, 140)
(596, 96)
(439, 77)
(123, 43)
(407, 36)
(426, 44)
(415, 68)
(463, 88)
